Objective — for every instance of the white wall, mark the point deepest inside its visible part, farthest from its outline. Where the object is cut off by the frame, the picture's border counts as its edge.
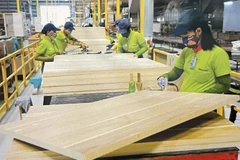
(54, 14)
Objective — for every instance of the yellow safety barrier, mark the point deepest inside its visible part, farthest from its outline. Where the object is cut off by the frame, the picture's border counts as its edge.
(28, 63)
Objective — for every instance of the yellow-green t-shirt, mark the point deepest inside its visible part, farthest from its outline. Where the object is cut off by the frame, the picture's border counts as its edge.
(62, 40)
(209, 65)
(46, 47)
(133, 44)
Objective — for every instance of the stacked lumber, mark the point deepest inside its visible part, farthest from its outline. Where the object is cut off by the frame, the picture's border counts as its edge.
(93, 130)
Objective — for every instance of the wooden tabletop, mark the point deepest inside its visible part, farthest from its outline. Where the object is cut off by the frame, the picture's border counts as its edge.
(103, 73)
(206, 132)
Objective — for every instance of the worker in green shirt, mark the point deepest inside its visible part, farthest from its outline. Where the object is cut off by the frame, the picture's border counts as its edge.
(47, 48)
(205, 65)
(64, 38)
(130, 41)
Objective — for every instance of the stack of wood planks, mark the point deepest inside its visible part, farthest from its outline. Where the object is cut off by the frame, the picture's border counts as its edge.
(88, 131)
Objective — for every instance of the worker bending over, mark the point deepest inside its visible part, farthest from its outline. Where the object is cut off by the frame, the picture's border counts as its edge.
(64, 38)
(205, 65)
(130, 41)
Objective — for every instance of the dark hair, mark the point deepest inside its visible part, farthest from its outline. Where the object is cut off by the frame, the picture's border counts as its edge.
(207, 40)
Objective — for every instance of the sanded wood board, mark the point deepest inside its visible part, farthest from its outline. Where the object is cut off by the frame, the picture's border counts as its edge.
(92, 49)
(108, 125)
(205, 132)
(84, 57)
(101, 64)
(101, 82)
(89, 33)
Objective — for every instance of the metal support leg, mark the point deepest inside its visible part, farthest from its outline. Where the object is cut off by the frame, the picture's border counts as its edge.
(47, 100)
(233, 114)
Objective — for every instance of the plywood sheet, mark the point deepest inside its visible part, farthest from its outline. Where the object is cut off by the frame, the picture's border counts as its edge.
(94, 130)
(205, 132)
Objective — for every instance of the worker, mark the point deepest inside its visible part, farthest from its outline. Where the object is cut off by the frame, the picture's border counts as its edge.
(64, 38)
(47, 48)
(130, 41)
(204, 65)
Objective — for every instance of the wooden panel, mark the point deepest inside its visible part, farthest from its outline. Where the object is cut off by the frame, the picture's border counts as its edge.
(86, 57)
(99, 82)
(94, 130)
(101, 64)
(191, 135)
(89, 33)
(78, 74)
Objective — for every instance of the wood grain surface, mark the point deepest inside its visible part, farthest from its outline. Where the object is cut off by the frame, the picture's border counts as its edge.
(94, 130)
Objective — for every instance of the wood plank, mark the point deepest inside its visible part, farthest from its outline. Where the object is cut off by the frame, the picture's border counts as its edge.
(158, 70)
(91, 57)
(101, 64)
(89, 33)
(123, 120)
(204, 132)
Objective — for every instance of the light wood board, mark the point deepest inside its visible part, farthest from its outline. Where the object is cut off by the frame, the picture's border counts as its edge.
(101, 82)
(85, 57)
(88, 64)
(94, 130)
(205, 132)
(79, 74)
(89, 33)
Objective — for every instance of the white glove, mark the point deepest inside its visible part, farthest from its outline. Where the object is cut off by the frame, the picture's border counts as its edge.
(162, 82)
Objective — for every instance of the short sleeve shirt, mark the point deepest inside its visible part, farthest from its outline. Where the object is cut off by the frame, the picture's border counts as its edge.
(46, 47)
(132, 44)
(208, 66)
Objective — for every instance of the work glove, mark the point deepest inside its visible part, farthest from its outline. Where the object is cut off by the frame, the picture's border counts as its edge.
(162, 82)
(82, 44)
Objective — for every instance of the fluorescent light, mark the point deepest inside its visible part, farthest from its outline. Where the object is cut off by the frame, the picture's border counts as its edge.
(228, 3)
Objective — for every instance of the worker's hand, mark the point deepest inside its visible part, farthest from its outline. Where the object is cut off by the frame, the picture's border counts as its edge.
(61, 51)
(162, 82)
(83, 45)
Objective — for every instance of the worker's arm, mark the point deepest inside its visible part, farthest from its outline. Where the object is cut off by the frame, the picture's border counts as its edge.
(77, 43)
(142, 43)
(222, 85)
(174, 74)
(45, 59)
(120, 47)
(72, 38)
(40, 53)
(143, 49)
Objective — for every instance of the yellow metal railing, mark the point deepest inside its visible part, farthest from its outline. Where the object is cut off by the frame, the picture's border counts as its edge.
(26, 65)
